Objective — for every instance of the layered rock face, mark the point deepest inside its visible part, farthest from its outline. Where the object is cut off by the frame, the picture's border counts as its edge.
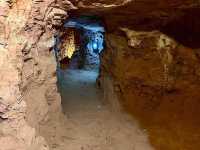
(152, 58)
(28, 95)
(15, 132)
(155, 77)
(157, 80)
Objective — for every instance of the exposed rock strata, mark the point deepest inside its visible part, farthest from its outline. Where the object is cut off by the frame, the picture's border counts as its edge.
(177, 18)
(157, 78)
(27, 70)
(158, 81)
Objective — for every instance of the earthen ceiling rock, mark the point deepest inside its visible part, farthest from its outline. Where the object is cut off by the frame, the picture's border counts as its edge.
(173, 17)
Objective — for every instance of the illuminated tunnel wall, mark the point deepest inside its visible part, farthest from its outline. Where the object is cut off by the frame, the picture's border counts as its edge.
(83, 39)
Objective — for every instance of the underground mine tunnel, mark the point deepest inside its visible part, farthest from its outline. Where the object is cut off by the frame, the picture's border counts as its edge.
(77, 51)
(99, 75)
(80, 44)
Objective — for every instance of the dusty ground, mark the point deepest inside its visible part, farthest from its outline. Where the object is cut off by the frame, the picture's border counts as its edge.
(89, 123)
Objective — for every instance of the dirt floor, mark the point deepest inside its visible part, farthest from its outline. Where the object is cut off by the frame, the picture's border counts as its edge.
(89, 123)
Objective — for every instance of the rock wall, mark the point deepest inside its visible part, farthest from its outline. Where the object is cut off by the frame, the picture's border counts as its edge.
(157, 80)
(14, 127)
(156, 77)
(28, 93)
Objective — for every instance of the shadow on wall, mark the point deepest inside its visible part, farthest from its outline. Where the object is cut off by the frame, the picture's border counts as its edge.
(185, 29)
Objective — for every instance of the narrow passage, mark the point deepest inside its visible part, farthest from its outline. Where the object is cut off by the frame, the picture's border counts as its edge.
(91, 124)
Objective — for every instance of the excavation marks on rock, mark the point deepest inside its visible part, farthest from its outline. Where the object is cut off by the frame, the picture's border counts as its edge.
(89, 124)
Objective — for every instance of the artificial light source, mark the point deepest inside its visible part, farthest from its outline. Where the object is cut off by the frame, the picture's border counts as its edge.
(94, 46)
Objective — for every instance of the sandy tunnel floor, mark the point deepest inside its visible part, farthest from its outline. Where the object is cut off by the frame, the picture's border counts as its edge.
(89, 123)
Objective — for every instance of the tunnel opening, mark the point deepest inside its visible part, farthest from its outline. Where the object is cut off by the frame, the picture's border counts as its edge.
(80, 43)
(77, 50)
(94, 118)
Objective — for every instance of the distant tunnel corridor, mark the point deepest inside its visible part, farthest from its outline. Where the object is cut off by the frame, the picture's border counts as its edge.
(95, 123)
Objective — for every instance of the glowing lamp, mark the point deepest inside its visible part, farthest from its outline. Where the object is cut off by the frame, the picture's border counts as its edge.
(94, 46)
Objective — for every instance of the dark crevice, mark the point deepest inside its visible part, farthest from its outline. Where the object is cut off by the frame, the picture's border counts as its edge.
(185, 29)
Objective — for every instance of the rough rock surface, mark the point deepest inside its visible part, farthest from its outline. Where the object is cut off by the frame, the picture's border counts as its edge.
(27, 70)
(158, 81)
(155, 76)
(177, 18)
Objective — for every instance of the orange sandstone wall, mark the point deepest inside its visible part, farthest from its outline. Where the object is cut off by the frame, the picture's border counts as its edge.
(158, 81)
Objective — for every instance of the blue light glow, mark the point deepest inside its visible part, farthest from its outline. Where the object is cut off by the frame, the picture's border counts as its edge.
(94, 46)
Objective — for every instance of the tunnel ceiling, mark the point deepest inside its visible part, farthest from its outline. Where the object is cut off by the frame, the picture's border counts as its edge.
(140, 13)
(93, 23)
(164, 15)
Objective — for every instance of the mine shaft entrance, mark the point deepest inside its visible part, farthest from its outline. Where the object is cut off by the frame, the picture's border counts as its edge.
(78, 48)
